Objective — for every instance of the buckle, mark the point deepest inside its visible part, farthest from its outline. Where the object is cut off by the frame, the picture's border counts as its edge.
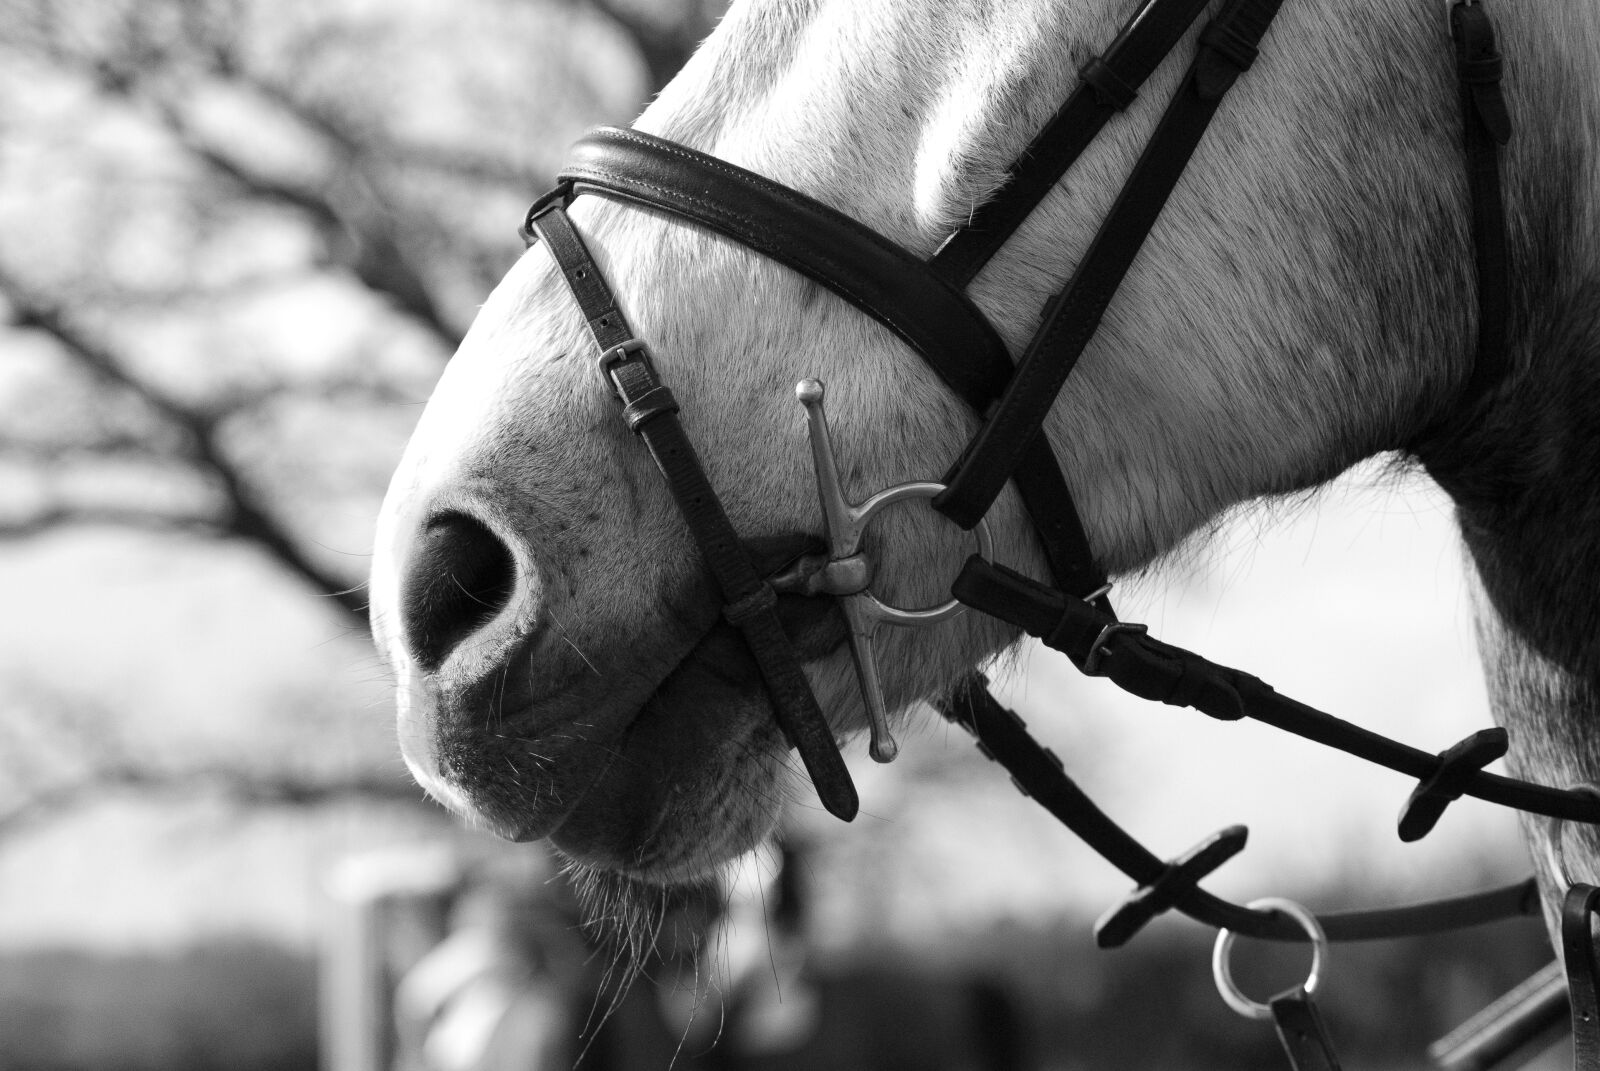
(1097, 649)
(622, 354)
(1098, 593)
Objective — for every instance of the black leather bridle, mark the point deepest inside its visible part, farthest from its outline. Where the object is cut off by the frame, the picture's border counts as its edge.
(923, 303)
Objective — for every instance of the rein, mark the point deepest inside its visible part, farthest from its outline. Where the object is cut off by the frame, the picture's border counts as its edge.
(924, 304)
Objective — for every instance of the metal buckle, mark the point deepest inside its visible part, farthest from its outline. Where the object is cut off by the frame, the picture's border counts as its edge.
(1103, 589)
(848, 572)
(620, 354)
(1097, 649)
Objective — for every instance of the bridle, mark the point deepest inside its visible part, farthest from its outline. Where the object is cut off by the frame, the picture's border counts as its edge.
(924, 304)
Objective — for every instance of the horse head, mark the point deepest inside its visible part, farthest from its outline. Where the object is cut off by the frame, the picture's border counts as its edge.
(1304, 301)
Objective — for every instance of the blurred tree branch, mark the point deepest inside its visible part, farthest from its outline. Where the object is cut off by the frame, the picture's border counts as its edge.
(155, 59)
(242, 513)
(329, 163)
(665, 41)
(362, 224)
(54, 517)
(66, 752)
(239, 784)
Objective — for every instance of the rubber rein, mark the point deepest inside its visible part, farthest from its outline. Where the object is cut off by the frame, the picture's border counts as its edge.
(924, 304)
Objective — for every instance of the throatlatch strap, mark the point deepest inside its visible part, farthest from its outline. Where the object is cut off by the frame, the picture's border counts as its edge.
(1226, 50)
(1583, 975)
(749, 602)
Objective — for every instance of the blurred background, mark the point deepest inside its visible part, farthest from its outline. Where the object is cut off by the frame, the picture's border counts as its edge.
(238, 241)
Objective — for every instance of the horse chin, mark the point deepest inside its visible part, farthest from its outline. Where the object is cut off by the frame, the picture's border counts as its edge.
(696, 778)
(664, 795)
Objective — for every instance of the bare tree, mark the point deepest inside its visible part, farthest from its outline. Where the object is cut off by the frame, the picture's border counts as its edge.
(238, 239)
(247, 125)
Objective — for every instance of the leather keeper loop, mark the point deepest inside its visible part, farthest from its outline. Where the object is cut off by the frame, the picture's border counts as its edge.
(1107, 84)
(1486, 70)
(655, 402)
(760, 601)
(1227, 42)
(1075, 633)
(1191, 686)
(559, 197)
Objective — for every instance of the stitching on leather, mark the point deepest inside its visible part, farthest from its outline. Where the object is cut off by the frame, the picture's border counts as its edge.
(768, 187)
(717, 211)
(711, 163)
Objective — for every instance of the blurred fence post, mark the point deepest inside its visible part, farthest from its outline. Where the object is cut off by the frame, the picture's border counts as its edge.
(386, 909)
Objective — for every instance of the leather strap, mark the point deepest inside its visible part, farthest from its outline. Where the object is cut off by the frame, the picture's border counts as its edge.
(749, 603)
(826, 246)
(1038, 773)
(1117, 926)
(1144, 666)
(1583, 975)
(1301, 1032)
(1227, 47)
(1107, 84)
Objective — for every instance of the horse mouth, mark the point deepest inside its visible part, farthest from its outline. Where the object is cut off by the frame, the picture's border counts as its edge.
(692, 776)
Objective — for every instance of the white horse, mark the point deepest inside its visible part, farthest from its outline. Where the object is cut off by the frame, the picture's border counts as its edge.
(1306, 301)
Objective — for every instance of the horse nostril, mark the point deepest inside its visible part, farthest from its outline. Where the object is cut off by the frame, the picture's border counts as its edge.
(460, 575)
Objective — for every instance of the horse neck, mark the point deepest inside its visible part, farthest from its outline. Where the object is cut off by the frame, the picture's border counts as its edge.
(1523, 475)
(1551, 708)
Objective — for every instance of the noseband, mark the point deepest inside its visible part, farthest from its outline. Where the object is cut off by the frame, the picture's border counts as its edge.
(924, 304)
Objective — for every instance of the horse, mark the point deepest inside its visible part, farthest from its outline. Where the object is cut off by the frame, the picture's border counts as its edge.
(1305, 301)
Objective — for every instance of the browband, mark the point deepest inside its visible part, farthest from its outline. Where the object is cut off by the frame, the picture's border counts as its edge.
(826, 246)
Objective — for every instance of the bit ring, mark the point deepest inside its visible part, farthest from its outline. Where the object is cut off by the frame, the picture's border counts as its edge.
(914, 617)
(1223, 973)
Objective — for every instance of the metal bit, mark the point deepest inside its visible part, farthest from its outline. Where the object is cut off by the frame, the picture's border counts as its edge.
(848, 573)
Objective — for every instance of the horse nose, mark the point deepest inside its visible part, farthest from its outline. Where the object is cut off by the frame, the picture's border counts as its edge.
(459, 576)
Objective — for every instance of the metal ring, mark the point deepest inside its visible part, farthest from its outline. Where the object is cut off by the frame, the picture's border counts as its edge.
(1223, 974)
(922, 616)
(1555, 850)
